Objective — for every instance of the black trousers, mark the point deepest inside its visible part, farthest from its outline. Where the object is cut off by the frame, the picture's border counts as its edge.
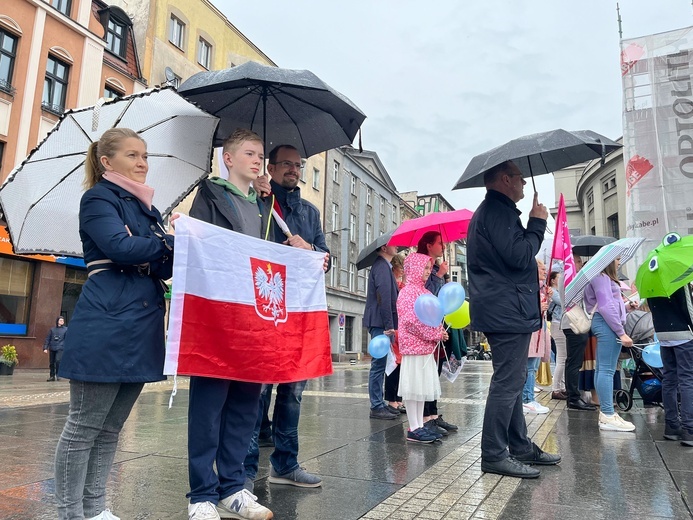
(392, 386)
(505, 429)
(54, 361)
(575, 347)
(431, 407)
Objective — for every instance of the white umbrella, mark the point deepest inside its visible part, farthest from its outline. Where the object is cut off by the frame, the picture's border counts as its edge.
(624, 248)
(40, 198)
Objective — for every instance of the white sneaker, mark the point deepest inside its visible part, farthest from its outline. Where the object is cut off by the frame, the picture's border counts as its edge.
(105, 515)
(535, 407)
(202, 511)
(614, 423)
(243, 505)
(537, 389)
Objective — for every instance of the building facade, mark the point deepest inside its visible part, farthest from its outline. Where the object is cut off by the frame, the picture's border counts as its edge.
(595, 196)
(361, 203)
(54, 56)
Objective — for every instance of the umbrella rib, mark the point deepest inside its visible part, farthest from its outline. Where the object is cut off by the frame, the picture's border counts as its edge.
(300, 134)
(47, 192)
(250, 91)
(57, 157)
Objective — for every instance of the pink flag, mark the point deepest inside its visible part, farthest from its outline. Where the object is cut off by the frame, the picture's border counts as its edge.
(246, 309)
(562, 248)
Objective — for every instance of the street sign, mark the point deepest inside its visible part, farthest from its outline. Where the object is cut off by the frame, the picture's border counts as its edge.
(342, 320)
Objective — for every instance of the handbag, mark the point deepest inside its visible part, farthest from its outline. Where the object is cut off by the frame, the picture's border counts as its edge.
(578, 320)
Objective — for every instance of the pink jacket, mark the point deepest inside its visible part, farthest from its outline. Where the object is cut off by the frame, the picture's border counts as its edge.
(415, 338)
(540, 344)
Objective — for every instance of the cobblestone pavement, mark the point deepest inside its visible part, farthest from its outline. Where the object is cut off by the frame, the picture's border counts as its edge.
(369, 471)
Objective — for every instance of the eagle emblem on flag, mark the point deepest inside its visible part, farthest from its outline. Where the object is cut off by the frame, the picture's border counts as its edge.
(269, 282)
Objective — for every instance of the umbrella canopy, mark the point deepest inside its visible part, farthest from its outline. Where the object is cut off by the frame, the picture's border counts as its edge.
(283, 106)
(452, 226)
(537, 154)
(624, 248)
(369, 253)
(588, 245)
(41, 197)
(667, 268)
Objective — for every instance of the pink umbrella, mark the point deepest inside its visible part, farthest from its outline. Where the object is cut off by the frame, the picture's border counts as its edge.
(452, 225)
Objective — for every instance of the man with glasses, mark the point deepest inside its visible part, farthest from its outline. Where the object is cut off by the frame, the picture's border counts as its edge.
(303, 220)
(504, 300)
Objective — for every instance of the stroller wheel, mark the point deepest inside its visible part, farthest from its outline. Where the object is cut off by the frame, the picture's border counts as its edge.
(623, 400)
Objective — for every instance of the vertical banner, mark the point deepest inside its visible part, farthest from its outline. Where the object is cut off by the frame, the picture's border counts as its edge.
(658, 136)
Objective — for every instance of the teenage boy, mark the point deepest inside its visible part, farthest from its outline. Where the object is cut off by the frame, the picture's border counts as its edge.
(222, 412)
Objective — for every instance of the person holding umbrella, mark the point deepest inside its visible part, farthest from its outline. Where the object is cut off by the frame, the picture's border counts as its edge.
(116, 340)
(504, 300)
(299, 226)
(603, 297)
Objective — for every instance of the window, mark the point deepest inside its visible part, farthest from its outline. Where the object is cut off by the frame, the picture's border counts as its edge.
(368, 196)
(176, 32)
(176, 81)
(15, 293)
(353, 184)
(394, 214)
(2, 152)
(55, 86)
(334, 272)
(115, 37)
(352, 277)
(352, 227)
(612, 224)
(8, 52)
(382, 206)
(62, 5)
(204, 53)
(369, 232)
(316, 179)
(361, 282)
(111, 93)
(335, 217)
(590, 198)
(335, 172)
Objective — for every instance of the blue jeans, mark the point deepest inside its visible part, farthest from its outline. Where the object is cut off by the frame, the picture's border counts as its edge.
(87, 445)
(528, 389)
(287, 411)
(221, 417)
(376, 377)
(678, 377)
(608, 349)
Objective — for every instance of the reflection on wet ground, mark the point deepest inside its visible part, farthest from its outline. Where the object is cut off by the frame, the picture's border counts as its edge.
(368, 469)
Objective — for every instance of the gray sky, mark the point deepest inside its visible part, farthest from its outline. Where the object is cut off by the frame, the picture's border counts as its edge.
(443, 81)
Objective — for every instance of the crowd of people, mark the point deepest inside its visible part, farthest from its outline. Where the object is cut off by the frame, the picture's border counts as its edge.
(116, 339)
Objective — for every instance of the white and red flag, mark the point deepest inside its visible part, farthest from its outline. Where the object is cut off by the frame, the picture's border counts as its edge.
(245, 309)
(562, 248)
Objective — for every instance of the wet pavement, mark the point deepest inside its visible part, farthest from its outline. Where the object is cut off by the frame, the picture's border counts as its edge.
(369, 471)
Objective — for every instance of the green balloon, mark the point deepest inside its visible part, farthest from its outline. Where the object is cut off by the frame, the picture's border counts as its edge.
(460, 318)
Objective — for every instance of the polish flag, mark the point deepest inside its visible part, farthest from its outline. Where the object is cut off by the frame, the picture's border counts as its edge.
(562, 249)
(245, 309)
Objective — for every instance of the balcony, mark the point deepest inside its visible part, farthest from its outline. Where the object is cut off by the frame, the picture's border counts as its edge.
(7, 88)
(58, 110)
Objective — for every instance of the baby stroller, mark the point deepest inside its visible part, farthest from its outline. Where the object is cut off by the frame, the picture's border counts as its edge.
(646, 379)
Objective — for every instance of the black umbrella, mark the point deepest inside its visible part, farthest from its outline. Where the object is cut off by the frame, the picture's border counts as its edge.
(537, 154)
(369, 253)
(284, 106)
(588, 245)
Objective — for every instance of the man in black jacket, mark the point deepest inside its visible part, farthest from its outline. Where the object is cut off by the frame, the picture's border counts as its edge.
(55, 344)
(673, 321)
(380, 317)
(504, 300)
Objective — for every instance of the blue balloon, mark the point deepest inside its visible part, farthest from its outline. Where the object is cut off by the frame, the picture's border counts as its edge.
(451, 297)
(379, 346)
(652, 355)
(428, 309)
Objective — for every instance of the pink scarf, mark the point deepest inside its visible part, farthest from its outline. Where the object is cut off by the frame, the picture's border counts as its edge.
(142, 192)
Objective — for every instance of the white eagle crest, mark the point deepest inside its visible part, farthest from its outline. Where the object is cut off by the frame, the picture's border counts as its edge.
(270, 287)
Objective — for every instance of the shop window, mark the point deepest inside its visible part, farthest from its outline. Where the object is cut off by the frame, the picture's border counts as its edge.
(16, 277)
(72, 288)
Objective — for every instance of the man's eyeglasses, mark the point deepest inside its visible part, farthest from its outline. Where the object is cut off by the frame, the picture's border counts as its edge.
(289, 164)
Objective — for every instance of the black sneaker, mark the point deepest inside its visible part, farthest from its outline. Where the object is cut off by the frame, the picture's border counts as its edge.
(446, 425)
(672, 434)
(383, 413)
(686, 438)
(392, 409)
(434, 429)
(510, 467)
(538, 456)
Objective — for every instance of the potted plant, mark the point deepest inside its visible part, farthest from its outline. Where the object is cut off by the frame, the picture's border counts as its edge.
(8, 360)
